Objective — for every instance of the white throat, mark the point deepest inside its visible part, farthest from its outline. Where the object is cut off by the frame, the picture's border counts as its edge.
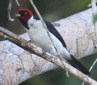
(31, 22)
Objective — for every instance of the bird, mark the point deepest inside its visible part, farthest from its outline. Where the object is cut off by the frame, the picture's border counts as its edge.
(39, 36)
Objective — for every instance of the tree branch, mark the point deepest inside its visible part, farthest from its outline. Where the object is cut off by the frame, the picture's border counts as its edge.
(20, 65)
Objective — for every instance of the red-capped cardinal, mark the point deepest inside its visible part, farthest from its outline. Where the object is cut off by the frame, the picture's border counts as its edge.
(39, 36)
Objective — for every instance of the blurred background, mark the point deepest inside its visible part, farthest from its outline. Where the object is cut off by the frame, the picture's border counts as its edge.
(51, 10)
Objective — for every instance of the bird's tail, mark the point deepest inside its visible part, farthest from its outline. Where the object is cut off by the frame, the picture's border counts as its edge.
(76, 64)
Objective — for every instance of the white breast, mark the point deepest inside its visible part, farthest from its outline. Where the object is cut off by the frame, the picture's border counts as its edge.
(40, 37)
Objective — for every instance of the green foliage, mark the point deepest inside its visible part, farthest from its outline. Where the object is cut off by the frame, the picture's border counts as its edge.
(53, 10)
(94, 18)
(3, 12)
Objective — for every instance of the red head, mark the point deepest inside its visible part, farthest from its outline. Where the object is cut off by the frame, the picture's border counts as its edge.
(24, 15)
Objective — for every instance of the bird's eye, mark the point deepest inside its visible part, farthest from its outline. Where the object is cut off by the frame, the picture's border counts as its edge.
(25, 13)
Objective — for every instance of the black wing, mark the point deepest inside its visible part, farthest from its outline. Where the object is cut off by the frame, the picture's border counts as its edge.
(53, 30)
